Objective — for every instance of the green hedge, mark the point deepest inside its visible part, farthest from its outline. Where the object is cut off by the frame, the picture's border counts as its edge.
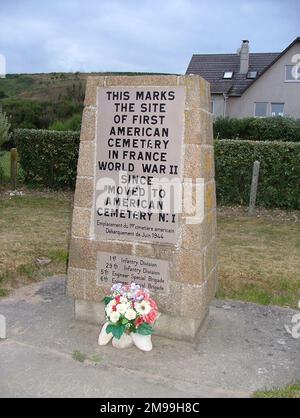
(258, 129)
(279, 177)
(48, 158)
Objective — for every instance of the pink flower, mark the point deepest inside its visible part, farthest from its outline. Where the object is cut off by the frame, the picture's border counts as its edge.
(153, 304)
(151, 317)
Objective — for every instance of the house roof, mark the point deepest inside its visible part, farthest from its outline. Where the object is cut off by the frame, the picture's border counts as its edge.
(212, 67)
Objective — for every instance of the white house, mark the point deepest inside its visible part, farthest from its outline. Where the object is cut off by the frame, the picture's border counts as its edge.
(252, 84)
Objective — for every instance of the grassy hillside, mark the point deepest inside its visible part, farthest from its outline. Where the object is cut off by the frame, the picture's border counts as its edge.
(45, 87)
(38, 86)
(44, 101)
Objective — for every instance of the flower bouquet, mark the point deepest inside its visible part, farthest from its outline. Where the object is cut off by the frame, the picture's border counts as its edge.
(130, 313)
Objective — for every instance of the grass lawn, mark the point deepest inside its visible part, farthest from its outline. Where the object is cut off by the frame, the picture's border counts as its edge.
(291, 391)
(36, 225)
(259, 260)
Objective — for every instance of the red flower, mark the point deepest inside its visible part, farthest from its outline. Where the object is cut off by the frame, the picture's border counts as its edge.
(117, 299)
(138, 321)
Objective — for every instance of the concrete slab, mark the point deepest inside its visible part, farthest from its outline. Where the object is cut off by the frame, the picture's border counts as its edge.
(245, 348)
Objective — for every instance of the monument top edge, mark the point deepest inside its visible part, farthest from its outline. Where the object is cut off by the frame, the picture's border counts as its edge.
(147, 78)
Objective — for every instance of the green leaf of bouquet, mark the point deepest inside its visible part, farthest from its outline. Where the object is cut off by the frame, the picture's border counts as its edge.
(124, 321)
(144, 329)
(107, 299)
(117, 330)
(109, 328)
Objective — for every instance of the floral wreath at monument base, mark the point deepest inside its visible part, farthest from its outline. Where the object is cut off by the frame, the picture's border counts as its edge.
(130, 314)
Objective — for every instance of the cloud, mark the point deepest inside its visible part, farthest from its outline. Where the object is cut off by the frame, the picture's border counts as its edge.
(137, 35)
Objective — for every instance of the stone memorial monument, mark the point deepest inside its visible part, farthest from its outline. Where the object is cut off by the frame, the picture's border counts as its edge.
(145, 206)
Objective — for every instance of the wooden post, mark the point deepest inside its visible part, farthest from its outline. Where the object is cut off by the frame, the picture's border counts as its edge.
(13, 167)
(254, 183)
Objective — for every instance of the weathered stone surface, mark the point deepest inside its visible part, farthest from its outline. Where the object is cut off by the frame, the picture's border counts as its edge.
(144, 250)
(207, 165)
(170, 303)
(151, 80)
(83, 252)
(193, 132)
(192, 260)
(197, 92)
(177, 327)
(86, 160)
(75, 286)
(198, 127)
(210, 257)
(92, 291)
(197, 236)
(84, 192)
(213, 215)
(192, 167)
(91, 89)
(212, 284)
(81, 222)
(88, 311)
(189, 267)
(88, 126)
(194, 301)
(210, 196)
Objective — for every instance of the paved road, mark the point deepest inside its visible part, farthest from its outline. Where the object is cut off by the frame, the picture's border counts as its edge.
(245, 348)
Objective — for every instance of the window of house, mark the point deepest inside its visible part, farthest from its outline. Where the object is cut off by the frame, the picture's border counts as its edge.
(252, 74)
(212, 107)
(260, 109)
(292, 73)
(277, 109)
(228, 74)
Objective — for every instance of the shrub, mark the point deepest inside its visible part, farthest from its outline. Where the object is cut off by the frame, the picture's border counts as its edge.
(258, 129)
(4, 129)
(48, 158)
(279, 176)
(71, 124)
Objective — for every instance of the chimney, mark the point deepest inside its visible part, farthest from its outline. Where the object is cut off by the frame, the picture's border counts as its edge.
(244, 57)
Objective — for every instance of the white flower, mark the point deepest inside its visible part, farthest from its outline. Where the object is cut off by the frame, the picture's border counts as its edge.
(109, 307)
(114, 317)
(111, 304)
(122, 308)
(143, 308)
(130, 314)
(123, 300)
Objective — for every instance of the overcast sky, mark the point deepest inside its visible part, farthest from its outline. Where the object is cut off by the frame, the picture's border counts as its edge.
(137, 35)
